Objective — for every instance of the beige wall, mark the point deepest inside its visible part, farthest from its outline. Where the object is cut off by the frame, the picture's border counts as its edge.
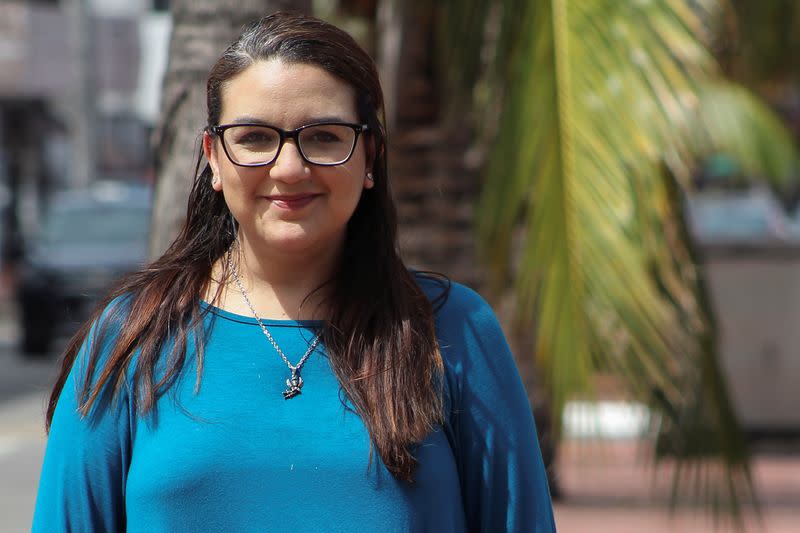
(756, 295)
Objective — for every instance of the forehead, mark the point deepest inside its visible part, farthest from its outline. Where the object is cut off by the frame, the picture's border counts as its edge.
(287, 94)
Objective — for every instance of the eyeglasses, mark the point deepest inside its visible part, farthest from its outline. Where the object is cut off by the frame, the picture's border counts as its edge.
(256, 145)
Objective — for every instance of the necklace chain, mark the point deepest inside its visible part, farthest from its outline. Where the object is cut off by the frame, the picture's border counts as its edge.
(294, 368)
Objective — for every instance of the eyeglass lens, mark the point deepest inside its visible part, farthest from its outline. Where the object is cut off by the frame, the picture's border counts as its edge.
(323, 144)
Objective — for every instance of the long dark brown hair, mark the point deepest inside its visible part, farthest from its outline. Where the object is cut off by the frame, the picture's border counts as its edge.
(383, 349)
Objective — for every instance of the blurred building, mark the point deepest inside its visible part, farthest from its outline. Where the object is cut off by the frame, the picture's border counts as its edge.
(79, 94)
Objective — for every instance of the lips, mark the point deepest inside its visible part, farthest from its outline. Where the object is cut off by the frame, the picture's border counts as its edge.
(291, 202)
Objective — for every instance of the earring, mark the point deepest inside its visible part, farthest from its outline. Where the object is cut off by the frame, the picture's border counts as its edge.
(215, 180)
(369, 176)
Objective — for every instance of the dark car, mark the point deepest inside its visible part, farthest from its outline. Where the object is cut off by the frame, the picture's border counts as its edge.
(88, 239)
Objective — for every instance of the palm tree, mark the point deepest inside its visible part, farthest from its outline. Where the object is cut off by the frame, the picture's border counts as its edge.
(605, 106)
(201, 30)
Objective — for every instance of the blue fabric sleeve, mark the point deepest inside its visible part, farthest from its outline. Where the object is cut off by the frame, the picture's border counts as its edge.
(82, 484)
(503, 482)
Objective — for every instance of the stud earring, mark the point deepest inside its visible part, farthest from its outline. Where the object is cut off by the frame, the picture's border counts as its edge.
(369, 176)
(215, 180)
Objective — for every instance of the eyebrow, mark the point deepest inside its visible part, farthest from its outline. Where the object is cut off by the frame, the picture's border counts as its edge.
(250, 119)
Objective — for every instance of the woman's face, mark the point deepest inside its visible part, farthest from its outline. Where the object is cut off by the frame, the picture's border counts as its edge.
(289, 206)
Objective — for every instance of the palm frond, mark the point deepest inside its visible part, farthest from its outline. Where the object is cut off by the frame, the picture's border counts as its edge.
(605, 104)
(731, 120)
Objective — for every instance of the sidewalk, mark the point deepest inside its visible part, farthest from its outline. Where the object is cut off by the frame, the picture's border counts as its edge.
(22, 443)
(608, 486)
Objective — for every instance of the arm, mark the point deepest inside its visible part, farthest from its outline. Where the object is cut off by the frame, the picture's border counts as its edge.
(503, 481)
(82, 484)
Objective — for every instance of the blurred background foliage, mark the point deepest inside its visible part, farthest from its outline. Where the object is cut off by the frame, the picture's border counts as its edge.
(595, 116)
(758, 44)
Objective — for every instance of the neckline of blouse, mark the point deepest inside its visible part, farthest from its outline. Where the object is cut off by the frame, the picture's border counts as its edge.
(228, 315)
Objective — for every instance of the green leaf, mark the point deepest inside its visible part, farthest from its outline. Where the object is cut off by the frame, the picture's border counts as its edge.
(606, 106)
(733, 121)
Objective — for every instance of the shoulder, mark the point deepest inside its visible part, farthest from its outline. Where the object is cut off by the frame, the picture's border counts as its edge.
(99, 338)
(454, 303)
(116, 311)
(109, 320)
(479, 369)
(467, 330)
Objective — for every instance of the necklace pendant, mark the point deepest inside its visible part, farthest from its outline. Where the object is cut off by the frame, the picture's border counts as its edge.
(293, 384)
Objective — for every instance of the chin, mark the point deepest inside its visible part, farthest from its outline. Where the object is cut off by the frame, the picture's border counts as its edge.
(296, 240)
(292, 243)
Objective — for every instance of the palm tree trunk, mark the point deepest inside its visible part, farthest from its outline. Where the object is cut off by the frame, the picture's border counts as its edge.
(202, 29)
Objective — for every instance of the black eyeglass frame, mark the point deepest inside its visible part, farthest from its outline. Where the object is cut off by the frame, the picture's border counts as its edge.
(294, 134)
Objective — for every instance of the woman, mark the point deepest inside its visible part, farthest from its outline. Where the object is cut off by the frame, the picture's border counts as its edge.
(279, 367)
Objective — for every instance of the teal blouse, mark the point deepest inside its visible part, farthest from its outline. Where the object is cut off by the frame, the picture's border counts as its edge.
(235, 456)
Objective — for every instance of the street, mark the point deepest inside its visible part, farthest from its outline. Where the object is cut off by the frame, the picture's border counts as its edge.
(23, 386)
(21, 449)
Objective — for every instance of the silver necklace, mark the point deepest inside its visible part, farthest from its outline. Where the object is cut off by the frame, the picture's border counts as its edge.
(295, 382)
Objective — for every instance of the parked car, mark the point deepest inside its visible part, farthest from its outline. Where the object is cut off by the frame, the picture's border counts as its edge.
(87, 240)
(740, 217)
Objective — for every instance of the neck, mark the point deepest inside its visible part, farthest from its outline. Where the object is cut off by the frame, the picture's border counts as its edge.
(279, 286)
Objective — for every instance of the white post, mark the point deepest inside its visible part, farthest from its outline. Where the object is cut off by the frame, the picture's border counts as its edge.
(84, 95)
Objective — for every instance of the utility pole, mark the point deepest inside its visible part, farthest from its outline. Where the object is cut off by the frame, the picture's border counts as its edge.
(83, 99)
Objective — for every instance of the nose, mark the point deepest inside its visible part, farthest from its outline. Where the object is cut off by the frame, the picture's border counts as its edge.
(290, 165)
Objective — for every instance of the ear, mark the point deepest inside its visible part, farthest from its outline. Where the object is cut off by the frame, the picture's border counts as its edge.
(210, 150)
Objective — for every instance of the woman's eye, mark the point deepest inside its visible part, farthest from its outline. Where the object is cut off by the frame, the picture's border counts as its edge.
(254, 138)
(324, 137)
(249, 136)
